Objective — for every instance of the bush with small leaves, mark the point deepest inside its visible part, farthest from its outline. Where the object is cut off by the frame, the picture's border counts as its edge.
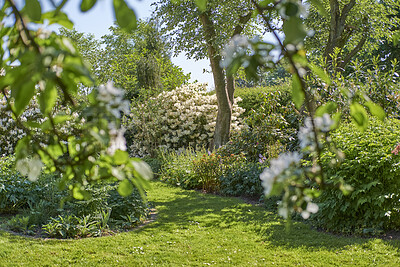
(370, 167)
(244, 181)
(38, 206)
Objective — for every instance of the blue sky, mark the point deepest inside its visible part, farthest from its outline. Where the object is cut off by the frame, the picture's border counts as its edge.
(101, 17)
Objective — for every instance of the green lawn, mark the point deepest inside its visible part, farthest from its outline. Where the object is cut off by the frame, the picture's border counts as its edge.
(194, 229)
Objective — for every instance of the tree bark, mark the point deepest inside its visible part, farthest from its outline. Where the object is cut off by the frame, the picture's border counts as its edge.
(337, 28)
(224, 84)
(223, 123)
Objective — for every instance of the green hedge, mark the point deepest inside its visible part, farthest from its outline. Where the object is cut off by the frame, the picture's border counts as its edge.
(373, 172)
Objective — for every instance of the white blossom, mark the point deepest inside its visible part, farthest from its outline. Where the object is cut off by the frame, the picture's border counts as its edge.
(238, 43)
(117, 140)
(113, 99)
(306, 134)
(181, 117)
(277, 167)
(30, 167)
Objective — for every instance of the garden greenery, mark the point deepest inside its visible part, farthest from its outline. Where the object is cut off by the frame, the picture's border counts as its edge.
(372, 168)
(42, 209)
(36, 61)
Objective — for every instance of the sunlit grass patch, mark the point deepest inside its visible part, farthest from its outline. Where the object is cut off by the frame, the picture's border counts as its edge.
(196, 229)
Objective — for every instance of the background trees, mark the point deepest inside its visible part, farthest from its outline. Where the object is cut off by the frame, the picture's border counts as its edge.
(350, 27)
(138, 61)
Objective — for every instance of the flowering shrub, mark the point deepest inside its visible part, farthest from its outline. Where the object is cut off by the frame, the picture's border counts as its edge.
(175, 120)
(9, 130)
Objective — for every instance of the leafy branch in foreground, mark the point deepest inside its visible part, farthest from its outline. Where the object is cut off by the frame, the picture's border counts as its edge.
(44, 67)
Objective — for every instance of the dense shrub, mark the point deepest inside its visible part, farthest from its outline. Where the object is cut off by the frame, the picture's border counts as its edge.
(9, 130)
(272, 127)
(373, 172)
(17, 192)
(210, 167)
(252, 98)
(243, 181)
(177, 169)
(41, 205)
(175, 120)
(198, 169)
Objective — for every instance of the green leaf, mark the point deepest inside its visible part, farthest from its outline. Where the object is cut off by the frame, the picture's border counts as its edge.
(294, 30)
(125, 188)
(79, 193)
(60, 18)
(55, 150)
(125, 16)
(201, 4)
(291, 9)
(48, 98)
(336, 120)
(33, 9)
(297, 93)
(320, 7)
(23, 96)
(120, 157)
(22, 148)
(396, 38)
(376, 110)
(320, 72)
(326, 108)
(142, 169)
(87, 5)
(265, 3)
(359, 115)
(277, 189)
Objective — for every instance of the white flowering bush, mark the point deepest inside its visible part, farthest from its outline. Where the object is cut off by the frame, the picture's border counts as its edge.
(12, 132)
(9, 130)
(175, 120)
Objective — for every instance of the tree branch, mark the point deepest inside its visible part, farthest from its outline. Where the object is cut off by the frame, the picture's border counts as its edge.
(353, 52)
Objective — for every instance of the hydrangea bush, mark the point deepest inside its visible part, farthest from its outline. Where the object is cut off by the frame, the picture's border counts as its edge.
(9, 130)
(175, 120)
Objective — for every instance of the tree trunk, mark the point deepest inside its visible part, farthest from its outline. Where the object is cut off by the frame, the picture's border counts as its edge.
(337, 36)
(224, 99)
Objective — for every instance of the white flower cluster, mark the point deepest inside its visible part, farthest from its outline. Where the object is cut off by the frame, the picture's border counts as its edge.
(306, 134)
(280, 170)
(30, 167)
(113, 99)
(10, 132)
(176, 120)
(277, 170)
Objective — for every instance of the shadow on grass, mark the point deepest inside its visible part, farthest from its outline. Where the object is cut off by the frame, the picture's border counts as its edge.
(186, 207)
(24, 240)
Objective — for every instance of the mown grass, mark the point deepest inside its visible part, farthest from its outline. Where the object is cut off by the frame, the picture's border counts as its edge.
(195, 229)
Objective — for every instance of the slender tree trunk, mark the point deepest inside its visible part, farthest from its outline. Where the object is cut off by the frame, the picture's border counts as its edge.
(223, 123)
